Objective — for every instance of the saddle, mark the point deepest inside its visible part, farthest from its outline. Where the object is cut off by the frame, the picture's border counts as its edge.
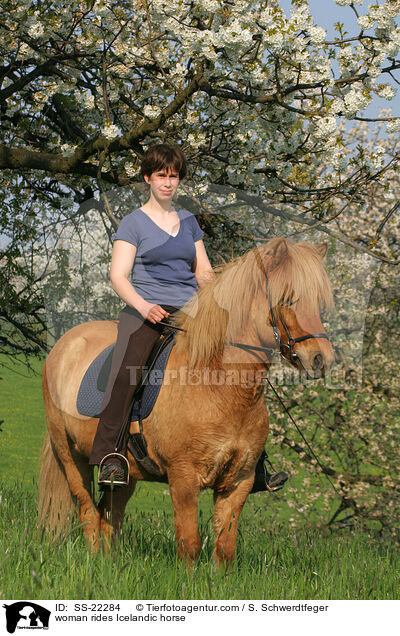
(91, 391)
(93, 385)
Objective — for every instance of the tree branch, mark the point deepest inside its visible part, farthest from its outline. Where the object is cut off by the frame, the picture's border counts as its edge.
(374, 480)
(43, 69)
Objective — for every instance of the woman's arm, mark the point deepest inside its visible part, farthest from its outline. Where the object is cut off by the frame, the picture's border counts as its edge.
(202, 267)
(123, 256)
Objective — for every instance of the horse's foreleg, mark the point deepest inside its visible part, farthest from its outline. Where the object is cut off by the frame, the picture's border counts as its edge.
(227, 509)
(112, 509)
(184, 494)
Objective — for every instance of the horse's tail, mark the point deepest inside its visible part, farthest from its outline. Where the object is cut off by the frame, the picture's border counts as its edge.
(56, 504)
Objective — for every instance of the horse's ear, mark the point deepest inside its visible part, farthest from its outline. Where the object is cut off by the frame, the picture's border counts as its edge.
(279, 251)
(322, 249)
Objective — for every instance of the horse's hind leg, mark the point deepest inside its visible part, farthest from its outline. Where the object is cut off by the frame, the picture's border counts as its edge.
(81, 484)
(74, 470)
(63, 468)
(112, 509)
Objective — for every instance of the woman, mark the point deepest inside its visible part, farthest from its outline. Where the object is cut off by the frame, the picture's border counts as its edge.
(163, 249)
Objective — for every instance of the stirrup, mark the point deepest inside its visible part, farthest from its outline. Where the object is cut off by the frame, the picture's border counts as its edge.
(276, 481)
(108, 480)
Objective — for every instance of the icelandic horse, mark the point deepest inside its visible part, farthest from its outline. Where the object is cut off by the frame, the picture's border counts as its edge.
(208, 426)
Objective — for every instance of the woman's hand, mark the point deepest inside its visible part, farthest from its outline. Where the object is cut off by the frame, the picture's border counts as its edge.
(153, 313)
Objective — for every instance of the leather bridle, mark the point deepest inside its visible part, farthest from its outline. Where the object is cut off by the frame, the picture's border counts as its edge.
(283, 347)
(286, 347)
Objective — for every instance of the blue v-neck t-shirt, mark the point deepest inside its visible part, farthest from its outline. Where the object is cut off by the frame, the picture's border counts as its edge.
(162, 270)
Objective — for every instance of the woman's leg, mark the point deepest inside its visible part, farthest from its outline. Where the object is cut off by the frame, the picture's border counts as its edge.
(136, 338)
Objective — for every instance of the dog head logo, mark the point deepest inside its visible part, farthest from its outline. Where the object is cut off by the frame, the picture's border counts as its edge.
(26, 615)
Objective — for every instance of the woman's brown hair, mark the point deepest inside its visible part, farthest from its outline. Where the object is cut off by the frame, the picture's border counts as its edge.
(163, 157)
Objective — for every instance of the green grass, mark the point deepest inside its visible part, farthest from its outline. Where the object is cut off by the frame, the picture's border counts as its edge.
(21, 408)
(273, 560)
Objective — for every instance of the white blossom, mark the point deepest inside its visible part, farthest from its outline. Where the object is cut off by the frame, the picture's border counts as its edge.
(374, 71)
(317, 34)
(210, 5)
(393, 126)
(36, 30)
(88, 101)
(325, 127)
(339, 158)
(395, 36)
(67, 150)
(24, 51)
(300, 18)
(356, 101)
(179, 70)
(110, 131)
(235, 32)
(365, 22)
(130, 169)
(151, 111)
(387, 92)
(275, 39)
(267, 16)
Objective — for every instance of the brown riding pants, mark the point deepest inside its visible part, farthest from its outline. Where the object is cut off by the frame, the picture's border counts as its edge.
(136, 338)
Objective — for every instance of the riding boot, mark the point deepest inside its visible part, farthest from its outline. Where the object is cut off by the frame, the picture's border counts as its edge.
(263, 480)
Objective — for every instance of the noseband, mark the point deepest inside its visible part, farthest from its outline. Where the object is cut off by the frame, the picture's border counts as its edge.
(286, 347)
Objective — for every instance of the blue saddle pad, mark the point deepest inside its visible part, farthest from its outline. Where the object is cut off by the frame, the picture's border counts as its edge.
(90, 398)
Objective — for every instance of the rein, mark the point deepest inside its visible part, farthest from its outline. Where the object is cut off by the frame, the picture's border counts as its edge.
(240, 345)
(298, 429)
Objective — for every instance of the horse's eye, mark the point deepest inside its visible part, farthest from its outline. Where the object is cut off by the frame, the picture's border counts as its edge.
(288, 303)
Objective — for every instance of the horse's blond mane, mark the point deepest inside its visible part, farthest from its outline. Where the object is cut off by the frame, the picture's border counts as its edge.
(220, 309)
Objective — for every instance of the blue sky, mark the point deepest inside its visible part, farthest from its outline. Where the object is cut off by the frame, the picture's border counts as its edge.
(327, 12)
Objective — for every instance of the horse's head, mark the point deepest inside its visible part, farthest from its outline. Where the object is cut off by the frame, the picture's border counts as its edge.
(239, 306)
(293, 289)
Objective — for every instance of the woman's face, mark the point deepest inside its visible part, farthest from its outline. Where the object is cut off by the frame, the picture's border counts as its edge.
(163, 183)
